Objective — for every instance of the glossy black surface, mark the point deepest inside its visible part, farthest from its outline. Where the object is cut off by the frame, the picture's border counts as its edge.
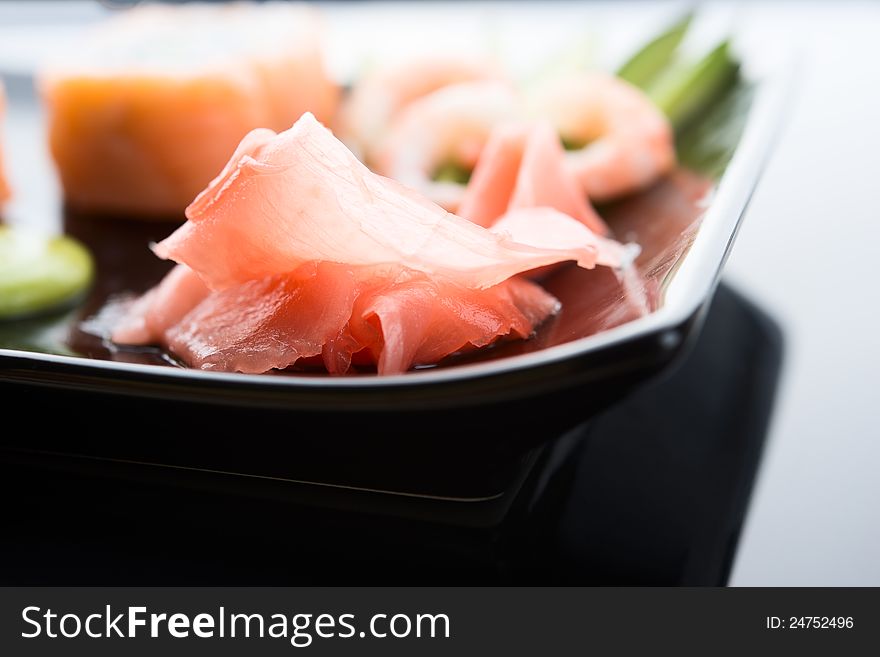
(652, 491)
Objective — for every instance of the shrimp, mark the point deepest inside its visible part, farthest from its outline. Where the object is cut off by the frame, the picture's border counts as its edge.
(434, 143)
(618, 140)
(378, 96)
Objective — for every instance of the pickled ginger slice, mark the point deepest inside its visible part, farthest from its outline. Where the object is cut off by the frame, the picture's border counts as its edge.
(147, 319)
(301, 196)
(266, 324)
(330, 310)
(522, 166)
(297, 251)
(544, 227)
(421, 321)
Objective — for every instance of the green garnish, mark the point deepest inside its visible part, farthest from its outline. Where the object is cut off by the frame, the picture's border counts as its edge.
(686, 90)
(708, 143)
(649, 61)
(573, 144)
(683, 89)
(39, 273)
(452, 173)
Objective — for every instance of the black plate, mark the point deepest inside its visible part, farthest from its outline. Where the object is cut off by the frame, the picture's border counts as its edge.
(468, 432)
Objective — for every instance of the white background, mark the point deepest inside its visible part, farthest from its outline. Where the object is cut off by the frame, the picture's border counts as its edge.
(808, 252)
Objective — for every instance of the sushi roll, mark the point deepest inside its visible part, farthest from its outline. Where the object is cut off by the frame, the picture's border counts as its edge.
(146, 112)
(4, 186)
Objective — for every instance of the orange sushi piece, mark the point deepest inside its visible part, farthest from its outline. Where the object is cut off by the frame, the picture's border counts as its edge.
(148, 111)
(5, 192)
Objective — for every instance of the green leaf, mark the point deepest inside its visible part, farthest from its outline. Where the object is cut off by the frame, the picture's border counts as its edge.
(452, 173)
(710, 140)
(649, 61)
(686, 90)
